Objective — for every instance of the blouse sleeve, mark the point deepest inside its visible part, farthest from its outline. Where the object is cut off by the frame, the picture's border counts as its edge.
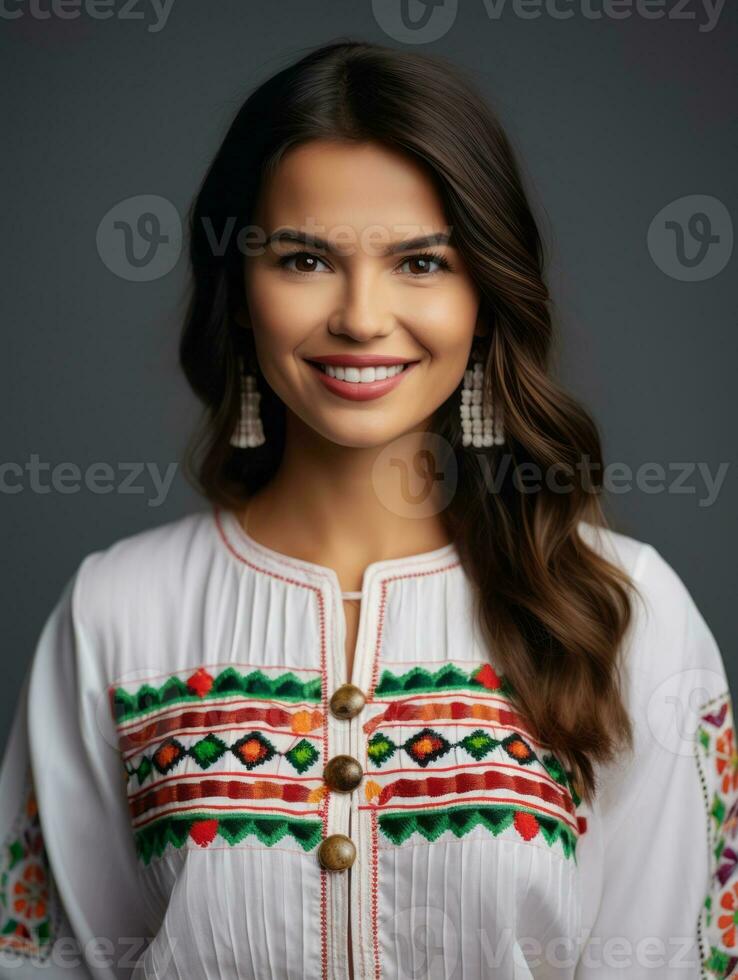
(669, 811)
(69, 903)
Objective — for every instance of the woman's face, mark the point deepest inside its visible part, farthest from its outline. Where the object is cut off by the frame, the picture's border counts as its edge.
(344, 282)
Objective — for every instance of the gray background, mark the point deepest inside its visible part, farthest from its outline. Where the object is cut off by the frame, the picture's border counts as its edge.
(613, 119)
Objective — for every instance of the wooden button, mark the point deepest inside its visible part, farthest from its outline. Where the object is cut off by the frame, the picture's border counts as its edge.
(337, 852)
(342, 773)
(347, 701)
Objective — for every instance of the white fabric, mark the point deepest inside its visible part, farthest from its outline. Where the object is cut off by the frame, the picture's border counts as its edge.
(429, 896)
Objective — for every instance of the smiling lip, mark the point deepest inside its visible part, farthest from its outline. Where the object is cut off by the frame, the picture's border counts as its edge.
(360, 390)
(361, 360)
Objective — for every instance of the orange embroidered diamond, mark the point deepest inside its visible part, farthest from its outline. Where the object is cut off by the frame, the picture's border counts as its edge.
(168, 755)
(426, 746)
(253, 750)
(519, 750)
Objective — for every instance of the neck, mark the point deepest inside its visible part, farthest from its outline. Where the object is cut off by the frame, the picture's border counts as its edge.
(347, 507)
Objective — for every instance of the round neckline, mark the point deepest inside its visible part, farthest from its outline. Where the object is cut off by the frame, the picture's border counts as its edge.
(229, 522)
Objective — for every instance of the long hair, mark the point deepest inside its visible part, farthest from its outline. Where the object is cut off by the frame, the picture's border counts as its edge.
(553, 610)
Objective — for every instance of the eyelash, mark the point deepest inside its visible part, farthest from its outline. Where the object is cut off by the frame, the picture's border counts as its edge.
(436, 257)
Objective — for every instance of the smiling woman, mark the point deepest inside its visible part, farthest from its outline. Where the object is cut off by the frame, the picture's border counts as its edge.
(367, 293)
(378, 711)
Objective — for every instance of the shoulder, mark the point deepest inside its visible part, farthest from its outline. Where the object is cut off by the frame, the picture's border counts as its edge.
(670, 656)
(620, 549)
(661, 598)
(143, 570)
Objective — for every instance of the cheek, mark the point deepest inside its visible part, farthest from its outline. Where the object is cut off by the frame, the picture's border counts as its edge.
(444, 320)
(280, 314)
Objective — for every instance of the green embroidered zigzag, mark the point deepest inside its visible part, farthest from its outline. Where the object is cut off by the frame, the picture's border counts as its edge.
(153, 839)
(446, 678)
(255, 684)
(461, 819)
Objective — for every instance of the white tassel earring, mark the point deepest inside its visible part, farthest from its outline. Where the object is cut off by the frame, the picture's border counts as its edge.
(481, 425)
(249, 431)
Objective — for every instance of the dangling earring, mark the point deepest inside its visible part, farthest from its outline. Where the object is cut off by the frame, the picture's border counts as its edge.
(481, 425)
(249, 431)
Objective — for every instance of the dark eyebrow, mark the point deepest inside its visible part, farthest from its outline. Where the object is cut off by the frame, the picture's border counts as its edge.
(290, 235)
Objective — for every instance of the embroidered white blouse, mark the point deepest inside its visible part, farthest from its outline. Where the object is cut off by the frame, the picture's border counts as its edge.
(162, 798)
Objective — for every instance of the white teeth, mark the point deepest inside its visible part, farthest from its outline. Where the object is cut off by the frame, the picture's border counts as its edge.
(362, 375)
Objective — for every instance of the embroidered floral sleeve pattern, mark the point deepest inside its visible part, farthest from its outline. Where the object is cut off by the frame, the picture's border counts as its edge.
(228, 755)
(28, 906)
(717, 760)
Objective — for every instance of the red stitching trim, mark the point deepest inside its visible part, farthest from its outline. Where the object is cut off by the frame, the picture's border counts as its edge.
(375, 900)
(324, 909)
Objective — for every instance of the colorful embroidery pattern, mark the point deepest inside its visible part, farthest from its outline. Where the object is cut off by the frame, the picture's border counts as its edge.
(459, 820)
(717, 761)
(202, 829)
(474, 766)
(203, 686)
(28, 904)
(251, 750)
(446, 678)
(198, 768)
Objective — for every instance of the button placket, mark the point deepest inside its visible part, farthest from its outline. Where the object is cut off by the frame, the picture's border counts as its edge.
(343, 773)
(342, 848)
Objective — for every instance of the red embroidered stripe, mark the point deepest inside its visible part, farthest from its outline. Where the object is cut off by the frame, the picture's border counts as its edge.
(232, 789)
(412, 710)
(468, 782)
(296, 722)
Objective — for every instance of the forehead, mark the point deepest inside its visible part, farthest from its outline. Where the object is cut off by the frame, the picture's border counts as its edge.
(355, 184)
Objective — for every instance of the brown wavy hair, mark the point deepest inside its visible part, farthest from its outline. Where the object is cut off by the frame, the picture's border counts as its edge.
(554, 611)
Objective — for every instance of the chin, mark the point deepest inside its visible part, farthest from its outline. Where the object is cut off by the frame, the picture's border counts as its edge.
(367, 437)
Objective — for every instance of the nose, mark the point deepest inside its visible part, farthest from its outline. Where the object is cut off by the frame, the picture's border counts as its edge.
(363, 311)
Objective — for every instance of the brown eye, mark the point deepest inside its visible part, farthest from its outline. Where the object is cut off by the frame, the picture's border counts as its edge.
(304, 262)
(423, 265)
